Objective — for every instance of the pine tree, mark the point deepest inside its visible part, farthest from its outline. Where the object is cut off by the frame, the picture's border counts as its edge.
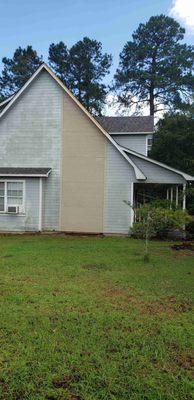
(155, 68)
(82, 68)
(17, 70)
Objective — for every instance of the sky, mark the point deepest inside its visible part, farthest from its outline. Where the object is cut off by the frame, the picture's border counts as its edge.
(41, 22)
(112, 22)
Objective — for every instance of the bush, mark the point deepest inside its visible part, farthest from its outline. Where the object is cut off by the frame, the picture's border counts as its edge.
(157, 221)
(190, 229)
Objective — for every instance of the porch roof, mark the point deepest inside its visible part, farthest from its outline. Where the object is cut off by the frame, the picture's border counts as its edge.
(137, 155)
(30, 172)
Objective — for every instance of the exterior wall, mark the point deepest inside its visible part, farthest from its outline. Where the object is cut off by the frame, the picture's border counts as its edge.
(30, 134)
(157, 174)
(134, 142)
(30, 220)
(82, 171)
(118, 187)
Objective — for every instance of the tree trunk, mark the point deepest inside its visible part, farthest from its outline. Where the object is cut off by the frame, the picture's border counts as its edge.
(152, 84)
(151, 100)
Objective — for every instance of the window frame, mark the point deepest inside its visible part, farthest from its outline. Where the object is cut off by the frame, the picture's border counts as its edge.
(21, 206)
(148, 146)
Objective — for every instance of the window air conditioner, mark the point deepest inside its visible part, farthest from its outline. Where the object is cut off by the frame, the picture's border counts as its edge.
(13, 210)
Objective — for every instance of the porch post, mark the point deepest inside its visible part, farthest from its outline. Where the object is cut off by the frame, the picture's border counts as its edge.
(171, 194)
(184, 196)
(177, 195)
(167, 194)
(132, 204)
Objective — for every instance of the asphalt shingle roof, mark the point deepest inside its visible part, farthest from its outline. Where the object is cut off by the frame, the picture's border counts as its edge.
(127, 124)
(12, 171)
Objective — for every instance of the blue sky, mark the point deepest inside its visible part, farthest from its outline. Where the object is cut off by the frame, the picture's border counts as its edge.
(40, 22)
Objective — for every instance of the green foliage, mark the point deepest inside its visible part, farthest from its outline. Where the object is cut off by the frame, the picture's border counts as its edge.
(155, 68)
(82, 69)
(174, 142)
(160, 221)
(120, 332)
(190, 199)
(59, 61)
(17, 70)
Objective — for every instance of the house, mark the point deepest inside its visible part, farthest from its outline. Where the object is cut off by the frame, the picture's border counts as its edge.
(63, 170)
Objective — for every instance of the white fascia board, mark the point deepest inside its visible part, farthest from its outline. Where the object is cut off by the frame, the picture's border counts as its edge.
(131, 133)
(26, 175)
(6, 101)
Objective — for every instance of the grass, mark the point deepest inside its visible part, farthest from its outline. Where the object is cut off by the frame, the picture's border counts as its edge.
(87, 319)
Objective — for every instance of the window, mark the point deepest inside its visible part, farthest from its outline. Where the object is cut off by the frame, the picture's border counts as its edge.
(149, 144)
(11, 194)
(2, 196)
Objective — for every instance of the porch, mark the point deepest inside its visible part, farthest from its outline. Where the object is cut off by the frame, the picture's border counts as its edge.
(148, 192)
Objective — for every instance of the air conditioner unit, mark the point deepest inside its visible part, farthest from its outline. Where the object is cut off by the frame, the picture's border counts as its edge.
(13, 210)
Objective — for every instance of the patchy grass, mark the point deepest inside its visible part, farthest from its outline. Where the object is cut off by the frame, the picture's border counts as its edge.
(86, 319)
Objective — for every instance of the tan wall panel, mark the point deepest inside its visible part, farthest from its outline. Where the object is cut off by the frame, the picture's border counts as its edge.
(82, 171)
(80, 219)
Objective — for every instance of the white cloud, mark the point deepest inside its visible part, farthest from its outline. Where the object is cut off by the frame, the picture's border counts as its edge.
(183, 10)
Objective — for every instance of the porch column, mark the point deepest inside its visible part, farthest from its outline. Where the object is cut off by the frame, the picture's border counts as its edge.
(171, 196)
(177, 195)
(167, 194)
(184, 196)
(132, 204)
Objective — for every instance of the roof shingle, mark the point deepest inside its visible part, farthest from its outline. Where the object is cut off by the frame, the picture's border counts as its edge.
(127, 124)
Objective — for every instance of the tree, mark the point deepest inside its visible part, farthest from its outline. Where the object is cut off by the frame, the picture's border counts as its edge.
(17, 70)
(82, 69)
(59, 61)
(174, 142)
(155, 69)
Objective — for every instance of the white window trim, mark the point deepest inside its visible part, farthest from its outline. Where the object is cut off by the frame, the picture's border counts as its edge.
(22, 206)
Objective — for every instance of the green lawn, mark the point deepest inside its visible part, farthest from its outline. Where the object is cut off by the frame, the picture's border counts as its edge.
(86, 319)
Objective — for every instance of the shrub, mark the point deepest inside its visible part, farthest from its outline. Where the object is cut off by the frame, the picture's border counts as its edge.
(160, 221)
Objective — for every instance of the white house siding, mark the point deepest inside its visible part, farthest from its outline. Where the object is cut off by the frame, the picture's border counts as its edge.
(118, 187)
(30, 220)
(30, 135)
(157, 174)
(134, 142)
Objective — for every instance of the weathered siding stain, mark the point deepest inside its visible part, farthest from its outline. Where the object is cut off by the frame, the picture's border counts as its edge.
(82, 174)
(119, 177)
(30, 135)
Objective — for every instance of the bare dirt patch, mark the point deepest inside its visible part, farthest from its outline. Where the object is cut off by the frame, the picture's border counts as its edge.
(96, 267)
(67, 380)
(186, 362)
(168, 305)
(183, 246)
(6, 256)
